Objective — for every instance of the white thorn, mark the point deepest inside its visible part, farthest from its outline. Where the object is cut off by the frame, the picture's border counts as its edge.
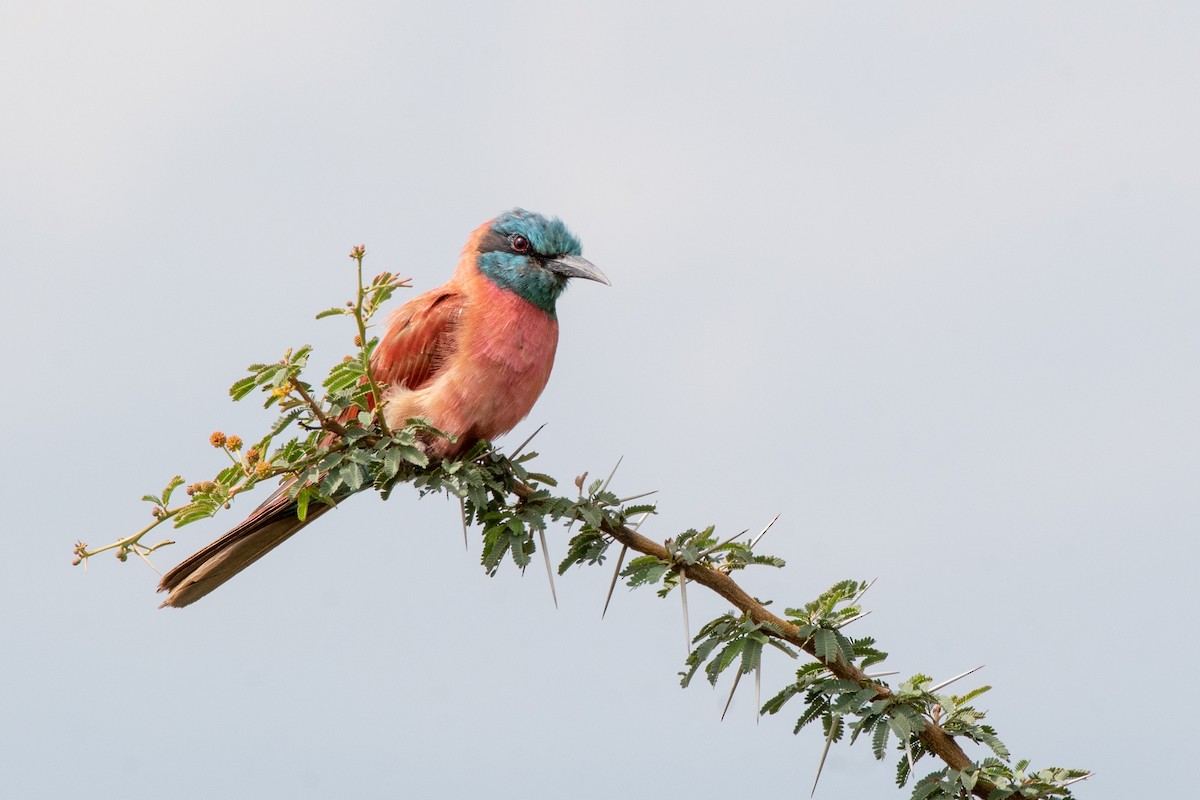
(824, 753)
(758, 693)
(882, 674)
(858, 596)
(855, 618)
(549, 569)
(722, 544)
(758, 538)
(737, 676)
(946, 683)
(149, 563)
(687, 633)
(521, 447)
(604, 488)
(462, 516)
(616, 574)
(617, 571)
(1077, 780)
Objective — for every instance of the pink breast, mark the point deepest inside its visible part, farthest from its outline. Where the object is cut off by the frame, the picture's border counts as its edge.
(506, 352)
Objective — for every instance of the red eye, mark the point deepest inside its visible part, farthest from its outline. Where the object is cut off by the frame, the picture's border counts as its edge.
(519, 243)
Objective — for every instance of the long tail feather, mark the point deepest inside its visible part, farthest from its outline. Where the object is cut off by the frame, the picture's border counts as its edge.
(271, 524)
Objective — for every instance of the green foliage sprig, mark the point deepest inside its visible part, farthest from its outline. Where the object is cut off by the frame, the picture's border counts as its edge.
(337, 443)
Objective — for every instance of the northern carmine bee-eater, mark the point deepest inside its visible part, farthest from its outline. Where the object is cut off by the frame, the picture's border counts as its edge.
(472, 357)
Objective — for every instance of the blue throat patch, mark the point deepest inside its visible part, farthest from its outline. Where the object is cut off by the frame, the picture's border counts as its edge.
(522, 274)
(527, 274)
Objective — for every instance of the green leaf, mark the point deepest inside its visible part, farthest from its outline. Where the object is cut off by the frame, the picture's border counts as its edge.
(590, 514)
(777, 702)
(905, 721)
(354, 475)
(331, 482)
(927, 789)
(711, 635)
(902, 771)
(638, 510)
(864, 650)
(826, 645)
(987, 735)
(852, 703)
(969, 696)
(644, 570)
(521, 544)
(391, 464)
(413, 455)
(243, 387)
(816, 707)
(723, 660)
(588, 547)
(230, 475)
(544, 480)
(879, 741)
(752, 653)
(281, 423)
(274, 374)
(344, 375)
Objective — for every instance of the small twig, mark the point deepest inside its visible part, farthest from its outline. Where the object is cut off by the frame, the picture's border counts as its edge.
(376, 394)
(328, 423)
(128, 543)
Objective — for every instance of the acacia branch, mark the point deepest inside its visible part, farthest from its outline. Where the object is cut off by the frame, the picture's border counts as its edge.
(348, 459)
(935, 739)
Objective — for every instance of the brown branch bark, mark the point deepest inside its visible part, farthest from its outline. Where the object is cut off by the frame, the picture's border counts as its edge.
(331, 425)
(935, 739)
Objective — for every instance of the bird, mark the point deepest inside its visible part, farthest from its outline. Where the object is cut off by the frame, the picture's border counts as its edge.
(471, 357)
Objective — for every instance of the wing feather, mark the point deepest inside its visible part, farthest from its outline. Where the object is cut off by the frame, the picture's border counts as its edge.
(419, 338)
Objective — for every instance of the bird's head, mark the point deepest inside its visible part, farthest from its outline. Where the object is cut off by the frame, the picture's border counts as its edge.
(533, 256)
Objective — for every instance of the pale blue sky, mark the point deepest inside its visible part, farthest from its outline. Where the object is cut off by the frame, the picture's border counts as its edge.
(922, 278)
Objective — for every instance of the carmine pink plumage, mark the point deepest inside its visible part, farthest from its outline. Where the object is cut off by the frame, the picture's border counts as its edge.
(471, 356)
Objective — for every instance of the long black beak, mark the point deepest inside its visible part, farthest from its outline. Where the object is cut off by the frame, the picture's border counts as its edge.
(577, 267)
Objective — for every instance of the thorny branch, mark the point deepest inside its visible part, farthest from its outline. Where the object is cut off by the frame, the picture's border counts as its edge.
(935, 739)
(338, 458)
